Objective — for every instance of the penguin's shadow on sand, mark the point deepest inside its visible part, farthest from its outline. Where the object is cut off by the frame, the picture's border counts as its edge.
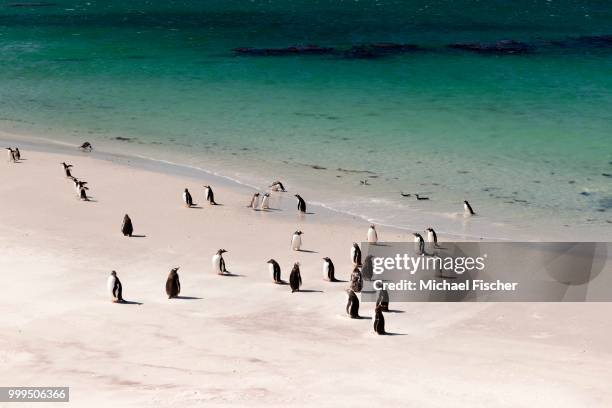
(232, 275)
(187, 297)
(337, 281)
(195, 207)
(282, 283)
(394, 334)
(130, 302)
(138, 236)
(310, 291)
(308, 251)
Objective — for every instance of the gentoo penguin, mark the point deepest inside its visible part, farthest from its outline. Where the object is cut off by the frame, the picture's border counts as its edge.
(11, 154)
(372, 235)
(187, 199)
(352, 304)
(356, 280)
(17, 154)
(301, 206)
(296, 241)
(86, 146)
(83, 194)
(367, 270)
(432, 237)
(467, 209)
(218, 263)
(173, 285)
(127, 228)
(67, 169)
(419, 244)
(115, 289)
(379, 321)
(277, 186)
(265, 201)
(329, 270)
(356, 254)
(275, 271)
(254, 201)
(383, 300)
(295, 278)
(210, 196)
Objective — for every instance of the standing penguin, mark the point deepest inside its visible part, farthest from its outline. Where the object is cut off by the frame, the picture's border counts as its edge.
(11, 154)
(352, 304)
(301, 206)
(275, 271)
(83, 194)
(210, 195)
(187, 199)
(356, 280)
(17, 154)
(432, 237)
(356, 254)
(218, 263)
(419, 244)
(115, 289)
(383, 300)
(379, 321)
(127, 228)
(367, 270)
(296, 240)
(173, 285)
(265, 201)
(329, 270)
(254, 201)
(467, 209)
(295, 278)
(372, 236)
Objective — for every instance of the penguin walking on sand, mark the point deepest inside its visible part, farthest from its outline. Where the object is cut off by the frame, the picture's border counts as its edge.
(367, 270)
(295, 278)
(67, 169)
(372, 235)
(173, 285)
(419, 244)
(352, 304)
(11, 155)
(275, 271)
(17, 154)
(467, 209)
(356, 280)
(356, 254)
(432, 237)
(329, 270)
(127, 228)
(383, 300)
(296, 240)
(265, 201)
(210, 195)
(277, 186)
(115, 289)
(78, 184)
(254, 201)
(218, 263)
(301, 206)
(187, 199)
(379, 321)
(83, 194)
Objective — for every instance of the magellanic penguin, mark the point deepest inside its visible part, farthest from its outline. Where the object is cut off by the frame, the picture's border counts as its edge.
(265, 201)
(352, 304)
(329, 271)
(356, 254)
(467, 209)
(432, 237)
(187, 199)
(379, 321)
(277, 186)
(419, 244)
(275, 271)
(218, 263)
(356, 280)
(254, 201)
(296, 240)
(115, 289)
(372, 235)
(295, 278)
(127, 228)
(83, 194)
(383, 300)
(11, 154)
(173, 285)
(367, 270)
(301, 205)
(210, 195)
(86, 146)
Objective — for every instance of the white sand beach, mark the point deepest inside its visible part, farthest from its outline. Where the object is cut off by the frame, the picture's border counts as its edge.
(242, 340)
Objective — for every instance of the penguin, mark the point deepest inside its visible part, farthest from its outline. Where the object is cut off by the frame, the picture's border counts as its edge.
(296, 241)
(275, 271)
(329, 270)
(367, 270)
(383, 300)
(187, 198)
(301, 206)
(356, 254)
(210, 196)
(86, 146)
(295, 278)
(432, 237)
(127, 228)
(352, 304)
(173, 285)
(265, 201)
(372, 236)
(218, 263)
(11, 154)
(254, 201)
(467, 209)
(419, 244)
(379, 321)
(115, 289)
(80, 184)
(17, 154)
(67, 169)
(421, 198)
(277, 186)
(83, 194)
(356, 280)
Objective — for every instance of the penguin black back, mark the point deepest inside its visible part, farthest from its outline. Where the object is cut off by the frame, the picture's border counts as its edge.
(379, 321)
(352, 304)
(173, 285)
(127, 228)
(295, 278)
(301, 204)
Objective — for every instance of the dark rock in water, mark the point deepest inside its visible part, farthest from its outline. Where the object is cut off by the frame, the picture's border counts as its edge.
(606, 174)
(585, 193)
(499, 47)
(377, 50)
(294, 50)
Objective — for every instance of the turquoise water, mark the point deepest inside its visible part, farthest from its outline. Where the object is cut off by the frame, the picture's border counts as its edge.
(526, 138)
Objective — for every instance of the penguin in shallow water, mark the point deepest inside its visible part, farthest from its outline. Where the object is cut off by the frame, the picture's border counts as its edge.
(329, 270)
(356, 280)
(115, 289)
(173, 285)
(275, 271)
(295, 278)
(379, 321)
(356, 254)
(296, 240)
(467, 209)
(187, 199)
(277, 186)
(210, 195)
(419, 244)
(218, 263)
(301, 206)
(372, 235)
(127, 228)
(383, 300)
(86, 146)
(367, 270)
(432, 237)
(265, 201)
(352, 304)
(254, 201)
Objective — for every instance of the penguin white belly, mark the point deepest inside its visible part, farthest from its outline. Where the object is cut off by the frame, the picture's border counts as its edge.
(353, 254)
(271, 269)
(264, 203)
(372, 237)
(296, 243)
(216, 263)
(255, 202)
(466, 210)
(185, 198)
(110, 285)
(325, 270)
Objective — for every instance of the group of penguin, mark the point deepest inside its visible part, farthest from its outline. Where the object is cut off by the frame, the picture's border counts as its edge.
(14, 155)
(79, 185)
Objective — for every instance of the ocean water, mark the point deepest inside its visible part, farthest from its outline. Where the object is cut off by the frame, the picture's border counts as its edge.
(526, 138)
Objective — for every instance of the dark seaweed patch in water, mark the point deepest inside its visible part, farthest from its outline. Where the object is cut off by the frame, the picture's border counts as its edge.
(606, 203)
(606, 174)
(354, 171)
(124, 139)
(585, 193)
(316, 167)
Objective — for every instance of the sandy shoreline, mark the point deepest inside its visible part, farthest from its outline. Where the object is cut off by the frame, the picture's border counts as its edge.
(243, 340)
